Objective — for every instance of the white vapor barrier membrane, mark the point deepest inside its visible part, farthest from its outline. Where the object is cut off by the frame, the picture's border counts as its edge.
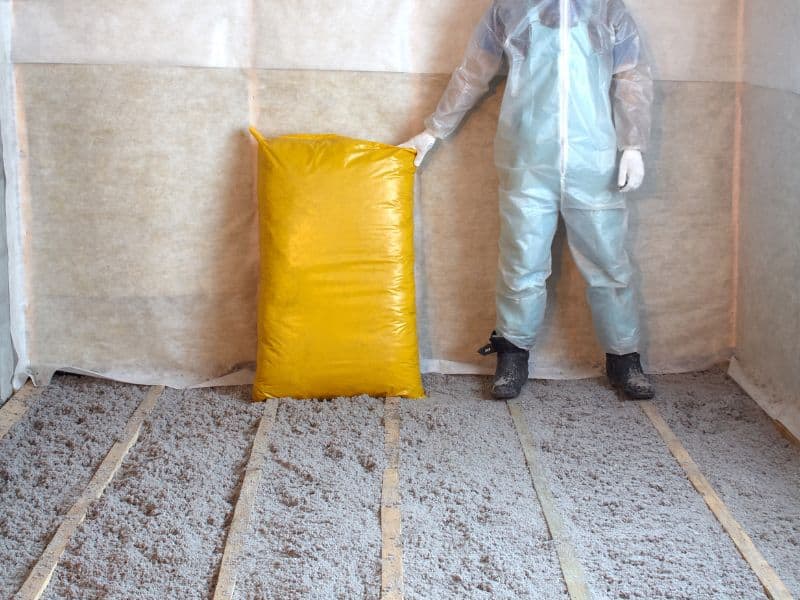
(208, 34)
(6, 347)
(12, 290)
(691, 40)
(143, 248)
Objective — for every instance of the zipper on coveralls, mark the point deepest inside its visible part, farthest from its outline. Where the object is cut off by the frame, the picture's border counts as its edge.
(563, 78)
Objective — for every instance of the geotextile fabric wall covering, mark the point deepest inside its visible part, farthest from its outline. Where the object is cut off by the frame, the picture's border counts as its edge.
(768, 315)
(336, 314)
(136, 199)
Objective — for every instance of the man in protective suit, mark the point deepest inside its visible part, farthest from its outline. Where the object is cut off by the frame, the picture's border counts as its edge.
(578, 92)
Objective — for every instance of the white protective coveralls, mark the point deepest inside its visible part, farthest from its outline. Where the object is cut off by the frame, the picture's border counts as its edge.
(578, 89)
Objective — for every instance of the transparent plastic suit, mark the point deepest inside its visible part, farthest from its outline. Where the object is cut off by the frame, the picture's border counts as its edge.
(578, 89)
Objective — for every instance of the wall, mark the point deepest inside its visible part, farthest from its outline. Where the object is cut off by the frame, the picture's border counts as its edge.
(141, 258)
(768, 324)
(6, 347)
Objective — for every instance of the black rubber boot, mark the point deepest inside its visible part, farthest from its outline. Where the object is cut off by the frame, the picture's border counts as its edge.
(625, 373)
(512, 367)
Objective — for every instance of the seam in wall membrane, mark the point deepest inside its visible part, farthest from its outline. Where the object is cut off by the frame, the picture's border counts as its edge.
(768, 88)
(736, 177)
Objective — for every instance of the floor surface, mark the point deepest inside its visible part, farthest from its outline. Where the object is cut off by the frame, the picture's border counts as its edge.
(472, 523)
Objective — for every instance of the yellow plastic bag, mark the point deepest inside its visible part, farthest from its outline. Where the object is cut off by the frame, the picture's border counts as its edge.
(337, 312)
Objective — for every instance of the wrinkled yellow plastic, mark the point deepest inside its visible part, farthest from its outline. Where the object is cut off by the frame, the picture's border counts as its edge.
(337, 313)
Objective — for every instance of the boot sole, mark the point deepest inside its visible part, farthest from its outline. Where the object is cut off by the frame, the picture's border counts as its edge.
(504, 397)
(626, 396)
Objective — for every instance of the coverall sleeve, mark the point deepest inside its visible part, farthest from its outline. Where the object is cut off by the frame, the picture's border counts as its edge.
(632, 86)
(470, 81)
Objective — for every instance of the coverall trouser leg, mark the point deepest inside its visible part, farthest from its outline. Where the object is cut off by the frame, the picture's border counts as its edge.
(596, 239)
(597, 243)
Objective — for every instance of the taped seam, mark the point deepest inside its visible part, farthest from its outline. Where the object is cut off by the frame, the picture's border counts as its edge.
(736, 176)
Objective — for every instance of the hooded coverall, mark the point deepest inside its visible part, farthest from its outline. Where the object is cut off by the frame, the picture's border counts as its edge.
(577, 90)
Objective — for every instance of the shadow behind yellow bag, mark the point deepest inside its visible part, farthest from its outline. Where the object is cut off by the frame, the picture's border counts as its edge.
(336, 313)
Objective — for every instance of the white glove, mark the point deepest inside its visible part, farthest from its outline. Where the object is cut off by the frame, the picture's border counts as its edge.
(631, 171)
(422, 143)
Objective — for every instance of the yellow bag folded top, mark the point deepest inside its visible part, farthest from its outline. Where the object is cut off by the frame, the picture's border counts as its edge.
(336, 312)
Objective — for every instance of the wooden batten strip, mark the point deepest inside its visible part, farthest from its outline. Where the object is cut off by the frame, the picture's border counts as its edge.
(15, 407)
(226, 580)
(39, 577)
(772, 583)
(391, 518)
(571, 568)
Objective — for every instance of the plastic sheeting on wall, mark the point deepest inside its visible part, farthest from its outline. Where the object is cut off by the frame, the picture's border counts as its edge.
(141, 249)
(12, 303)
(6, 347)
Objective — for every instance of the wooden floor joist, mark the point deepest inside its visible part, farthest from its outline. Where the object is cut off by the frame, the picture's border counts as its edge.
(226, 580)
(391, 521)
(42, 571)
(15, 407)
(772, 583)
(571, 568)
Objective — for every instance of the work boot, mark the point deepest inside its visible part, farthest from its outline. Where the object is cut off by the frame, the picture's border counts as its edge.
(512, 367)
(625, 373)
